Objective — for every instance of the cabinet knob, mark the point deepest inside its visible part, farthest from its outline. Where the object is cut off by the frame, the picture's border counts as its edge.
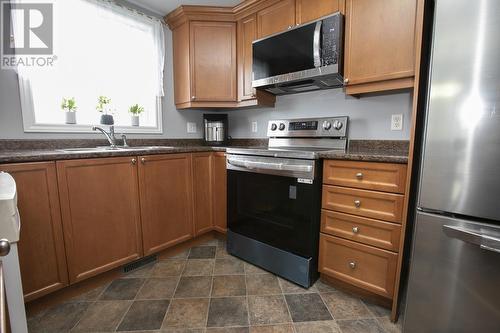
(359, 175)
(143, 160)
(346, 81)
(290, 26)
(134, 161)
(352, 264)
(4, 247)
(193, 97)
(355, 230)
(357, 203)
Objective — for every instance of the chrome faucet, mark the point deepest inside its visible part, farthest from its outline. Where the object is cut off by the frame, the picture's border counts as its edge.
(110, 136)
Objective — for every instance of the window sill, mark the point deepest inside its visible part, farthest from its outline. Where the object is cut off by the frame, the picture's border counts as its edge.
(78, 128)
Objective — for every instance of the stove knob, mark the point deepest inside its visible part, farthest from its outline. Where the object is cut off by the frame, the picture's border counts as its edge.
(282, 127)
(337, 125)
(274, 127)
(327, 125)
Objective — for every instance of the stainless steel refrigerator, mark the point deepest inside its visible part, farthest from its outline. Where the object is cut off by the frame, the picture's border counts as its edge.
(454, 283)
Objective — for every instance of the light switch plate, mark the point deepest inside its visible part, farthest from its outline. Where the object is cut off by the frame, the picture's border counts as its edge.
(191, 128)
(254, 127)
(397, 122)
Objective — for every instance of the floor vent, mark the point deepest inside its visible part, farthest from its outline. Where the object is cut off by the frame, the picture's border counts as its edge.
(139, 263)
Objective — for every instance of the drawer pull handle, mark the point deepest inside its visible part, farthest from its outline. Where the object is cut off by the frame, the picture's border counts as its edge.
(357, 203)
(134, 161)
(352, 264)
(143, 160)
(359, 176)
(355, 230)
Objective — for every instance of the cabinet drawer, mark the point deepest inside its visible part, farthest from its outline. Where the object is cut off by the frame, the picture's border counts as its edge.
(361, 229)
(378, 205)
(386, 177)
(361, 265)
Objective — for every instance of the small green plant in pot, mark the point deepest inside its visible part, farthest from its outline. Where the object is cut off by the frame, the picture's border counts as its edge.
(135, 111)
(68, 105)
(104, 107)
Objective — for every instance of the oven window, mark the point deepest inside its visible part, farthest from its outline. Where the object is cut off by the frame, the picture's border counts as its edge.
(275, 210)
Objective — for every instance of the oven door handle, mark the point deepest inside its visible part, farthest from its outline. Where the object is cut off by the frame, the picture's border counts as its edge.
(268, 165)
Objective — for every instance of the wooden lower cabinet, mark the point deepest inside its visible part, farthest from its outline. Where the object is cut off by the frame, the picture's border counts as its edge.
(100, 213)
(80, 218)
(361, 265)
(203, 216)
(165, 184)
(41, 246)
(377, 205)
(220, 192)
(377, 233)
(386, 177)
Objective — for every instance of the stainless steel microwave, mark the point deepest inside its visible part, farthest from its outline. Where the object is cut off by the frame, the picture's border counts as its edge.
(304, 58)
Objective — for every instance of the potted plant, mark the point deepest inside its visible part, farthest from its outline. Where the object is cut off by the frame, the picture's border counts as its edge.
(103, 106)
(69, 107)
(135, 112)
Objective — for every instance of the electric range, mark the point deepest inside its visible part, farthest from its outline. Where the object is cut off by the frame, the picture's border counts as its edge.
(274, 196)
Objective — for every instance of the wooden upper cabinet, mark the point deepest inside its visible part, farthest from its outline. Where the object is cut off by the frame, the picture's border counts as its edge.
(41, 245)
(310, 10)
(213, 61)
(166, 200)
(182, 68)
(100, 212)
(247, 33)
(220, 192)
(202, 192)
(276, 18)
(379, 45)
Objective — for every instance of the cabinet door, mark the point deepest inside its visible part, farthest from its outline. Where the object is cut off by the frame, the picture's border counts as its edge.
(182, 75)
(360, 265)
(247, 33)
(380, 40)
(310, 10)
(100, 211)
(213, 61)
(41, 245)
(202, 192)
(166, 200)
(220, 192)
(276, 18)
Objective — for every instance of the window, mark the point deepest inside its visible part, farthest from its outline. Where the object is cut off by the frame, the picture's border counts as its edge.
(102, 49)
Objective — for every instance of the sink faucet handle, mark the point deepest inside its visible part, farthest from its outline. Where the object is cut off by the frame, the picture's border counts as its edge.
(124, 139)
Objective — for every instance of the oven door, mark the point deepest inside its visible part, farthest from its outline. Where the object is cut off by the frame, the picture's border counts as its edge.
(275, 201)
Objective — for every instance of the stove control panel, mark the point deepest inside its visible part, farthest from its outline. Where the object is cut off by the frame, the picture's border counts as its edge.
(335, 127)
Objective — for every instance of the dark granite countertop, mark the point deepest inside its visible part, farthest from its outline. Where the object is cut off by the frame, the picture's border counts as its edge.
(51, 150)
(368, 156)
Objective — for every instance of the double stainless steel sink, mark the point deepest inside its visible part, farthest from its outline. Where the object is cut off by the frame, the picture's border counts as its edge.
(108, 149)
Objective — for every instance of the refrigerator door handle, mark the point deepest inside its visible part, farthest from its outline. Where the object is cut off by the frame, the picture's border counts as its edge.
(485, 242)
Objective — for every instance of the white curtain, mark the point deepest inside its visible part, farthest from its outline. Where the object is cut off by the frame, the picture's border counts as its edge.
(102, 48)
(113, 11)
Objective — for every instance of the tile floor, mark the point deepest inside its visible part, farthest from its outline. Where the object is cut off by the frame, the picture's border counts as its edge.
(205, 290)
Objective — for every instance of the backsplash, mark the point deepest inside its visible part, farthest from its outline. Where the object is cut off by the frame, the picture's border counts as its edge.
(369, 116)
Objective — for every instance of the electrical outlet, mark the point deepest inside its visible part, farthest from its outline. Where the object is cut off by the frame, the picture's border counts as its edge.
(397, 122)
(254, 127)
(191, 128)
